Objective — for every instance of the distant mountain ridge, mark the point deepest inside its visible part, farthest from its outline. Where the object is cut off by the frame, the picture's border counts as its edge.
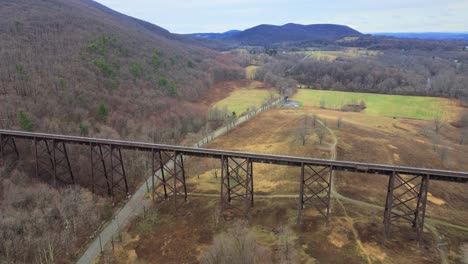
(426, 35)
(270, 34)
(216, 35)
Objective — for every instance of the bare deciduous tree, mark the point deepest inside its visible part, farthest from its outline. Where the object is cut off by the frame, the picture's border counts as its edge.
(464, 137)
(41, 224)
(322, 103)
(321, 133)
(339, 122)
(314, 120)
(438, 123)
(237, 245)
(303, 131)
(287, 254)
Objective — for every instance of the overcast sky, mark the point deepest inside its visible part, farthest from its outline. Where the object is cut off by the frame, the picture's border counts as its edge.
(367, 16)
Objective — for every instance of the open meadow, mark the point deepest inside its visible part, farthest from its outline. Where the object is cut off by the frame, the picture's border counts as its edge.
(418, 107)
(245, 95)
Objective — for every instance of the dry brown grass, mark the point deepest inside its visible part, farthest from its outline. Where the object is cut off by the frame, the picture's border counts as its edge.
(354, 236)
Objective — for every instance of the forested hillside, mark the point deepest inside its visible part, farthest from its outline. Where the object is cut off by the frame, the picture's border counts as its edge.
(77, 67)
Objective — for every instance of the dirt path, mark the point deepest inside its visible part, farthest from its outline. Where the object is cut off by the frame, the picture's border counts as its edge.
(334, 194)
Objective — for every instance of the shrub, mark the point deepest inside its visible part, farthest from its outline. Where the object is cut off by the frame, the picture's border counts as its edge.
(104, 67)
(235, 246)
(21, 72)
(156, 60)
(363, 104)
(84, 129)
(101, 45)
(137, 70)
(103, 112)
(61, 84)
(162, 82)
(190, 64)
(322, 103)
(167, 86)
(24, 121)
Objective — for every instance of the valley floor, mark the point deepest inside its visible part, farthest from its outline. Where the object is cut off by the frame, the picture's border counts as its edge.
(355, 231)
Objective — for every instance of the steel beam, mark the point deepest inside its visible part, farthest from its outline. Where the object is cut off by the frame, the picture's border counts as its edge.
(406, 202)
(315, 189)
(236, 181)
(52, 159)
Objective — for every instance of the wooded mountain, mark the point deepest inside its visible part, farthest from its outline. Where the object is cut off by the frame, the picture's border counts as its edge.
(76, 66)
(271, 34)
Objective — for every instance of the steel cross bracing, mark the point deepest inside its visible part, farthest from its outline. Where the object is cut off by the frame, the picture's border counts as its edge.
(315, 189)
(236, 181)
(168, 176)
(52, 159)
(108, 170)
(7, 147)
(406, 201)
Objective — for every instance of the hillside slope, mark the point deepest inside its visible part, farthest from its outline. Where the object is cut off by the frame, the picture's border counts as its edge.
(75, 66)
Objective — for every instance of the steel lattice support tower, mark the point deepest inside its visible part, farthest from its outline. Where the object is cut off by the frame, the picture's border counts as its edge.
(168, 176)
(107, 163)
(236, 181)
(7, 147)
(52, 159)
(315, 189)
(406, 201)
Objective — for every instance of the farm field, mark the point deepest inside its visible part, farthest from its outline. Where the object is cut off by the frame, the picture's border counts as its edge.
(332, 55)
(245, 95)
(354, 232)
(418, 107)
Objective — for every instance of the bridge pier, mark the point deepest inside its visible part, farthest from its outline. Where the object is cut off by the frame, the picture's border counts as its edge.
(315, 189)
(7, 147)
(168, 175)
(406, 201)
(107, 162)
(52, 158)
(236, 181)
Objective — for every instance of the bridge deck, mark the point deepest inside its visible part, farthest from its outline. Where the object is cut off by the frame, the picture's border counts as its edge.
(444, 175)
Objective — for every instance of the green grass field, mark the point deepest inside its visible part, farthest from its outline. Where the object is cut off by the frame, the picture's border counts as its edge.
(380, 104)
(241, 99)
